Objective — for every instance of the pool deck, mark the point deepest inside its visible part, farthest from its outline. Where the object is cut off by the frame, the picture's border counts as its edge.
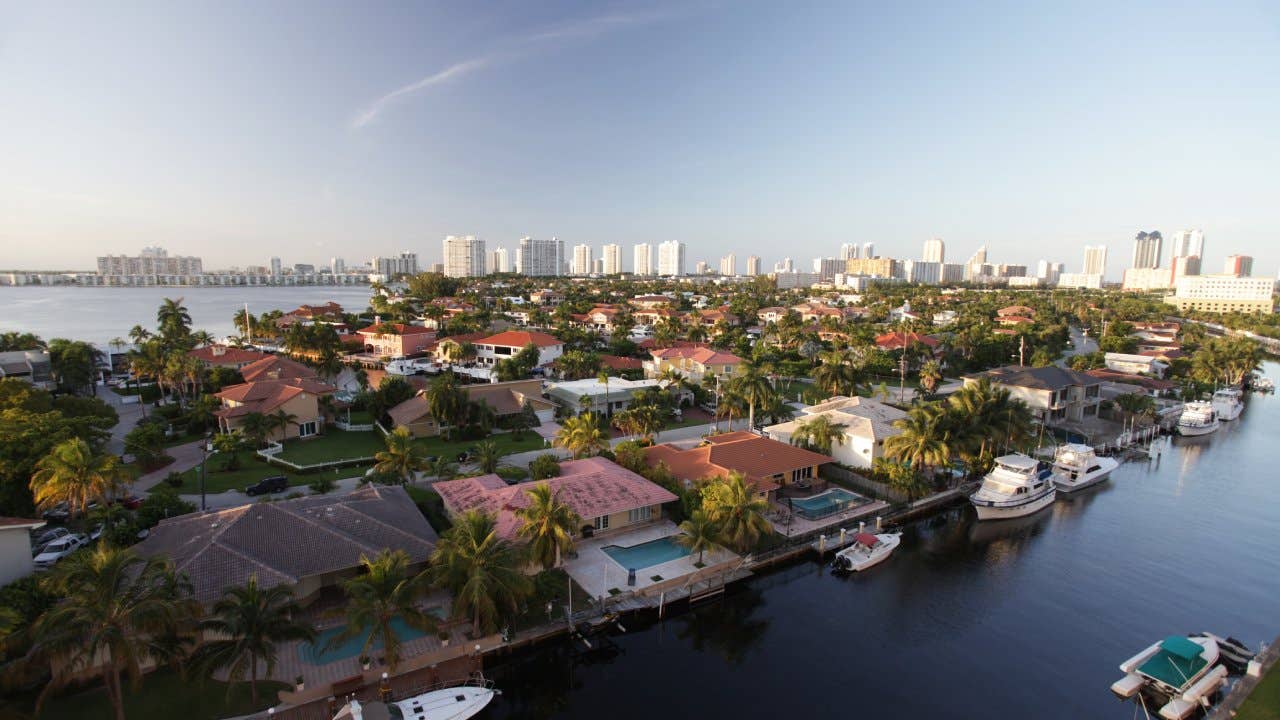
(787, 524)
(596, 572)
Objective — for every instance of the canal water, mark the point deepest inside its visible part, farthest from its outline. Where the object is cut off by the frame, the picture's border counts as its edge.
(1020, 619)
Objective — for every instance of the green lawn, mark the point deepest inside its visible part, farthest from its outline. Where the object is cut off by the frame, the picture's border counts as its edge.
(164, 694)
(1264, 702)
(550, 586)
(506, 443)
(252, 469)
(333, 445)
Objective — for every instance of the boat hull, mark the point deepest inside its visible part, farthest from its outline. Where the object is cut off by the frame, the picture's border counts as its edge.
(1198, 430)
(1066, 485)
(1010, 511)
(1227, 411)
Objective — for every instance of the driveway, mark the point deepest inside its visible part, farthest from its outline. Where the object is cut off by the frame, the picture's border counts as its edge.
(129, 416)
(184, 457)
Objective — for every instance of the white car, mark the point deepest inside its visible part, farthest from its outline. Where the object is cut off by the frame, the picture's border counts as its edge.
(58, 549)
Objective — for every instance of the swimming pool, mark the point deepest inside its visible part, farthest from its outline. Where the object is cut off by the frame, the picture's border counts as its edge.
(647, 554)
(824, 504)
(316, 654)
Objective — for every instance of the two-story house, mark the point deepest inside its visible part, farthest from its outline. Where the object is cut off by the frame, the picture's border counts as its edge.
(865, 424)
(1053, 393)
(695, 363)
(396, 340)
(494, 348)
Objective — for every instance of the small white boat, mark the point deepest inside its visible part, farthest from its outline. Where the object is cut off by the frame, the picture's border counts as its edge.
(1168, 669)
(1015, 487)
(402, 366)
(1077, 466)
(453, 703)
(1262, 384)
(866, 550)
(1227, 403)
(1198, 418)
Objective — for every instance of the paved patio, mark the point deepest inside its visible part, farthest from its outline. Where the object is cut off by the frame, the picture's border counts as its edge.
(787, 523)
(596, 572)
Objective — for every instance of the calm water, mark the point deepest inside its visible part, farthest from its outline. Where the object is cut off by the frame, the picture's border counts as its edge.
(1026, 618)
(100, 314)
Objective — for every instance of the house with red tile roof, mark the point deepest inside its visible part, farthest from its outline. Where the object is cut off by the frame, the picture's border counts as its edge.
(898, 340)
(1016, 310)
(492, 349)
(765, 463)
(607, 496)
(298, 397)
(694, 363)
(599, 318)
(396, 340)
(1013, 320)
(652, 301)
(276, 367)
(224, 356)
(771, 314)
(330, 314)
(503, 398)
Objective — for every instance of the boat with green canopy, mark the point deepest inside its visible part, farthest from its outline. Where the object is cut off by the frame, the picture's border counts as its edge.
(1179, 669)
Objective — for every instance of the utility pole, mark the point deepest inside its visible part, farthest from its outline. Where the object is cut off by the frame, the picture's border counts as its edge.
(902, 375)
(1022, 349)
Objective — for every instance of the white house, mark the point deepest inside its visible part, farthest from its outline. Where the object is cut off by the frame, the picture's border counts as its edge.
(15, 548)
(1135, 364)
(866, 425)
(490, 350)
(616, 397)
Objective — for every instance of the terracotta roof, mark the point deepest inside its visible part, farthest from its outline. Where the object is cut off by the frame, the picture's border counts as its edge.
(1014, 320)
(615, 362)
(1051, 377)
(898, 340)
(275, 367)
(1015, 310)
(285, 541)
(399, 329)
(504, 398)
(263, 396)
(520, 338)
(1147, 382)
(702, 355)
(757, 458)
(223, 355)
(591, 487)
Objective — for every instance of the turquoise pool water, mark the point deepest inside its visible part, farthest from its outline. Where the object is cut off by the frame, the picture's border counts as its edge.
(316, 654)
(654, 552)
(824, 504)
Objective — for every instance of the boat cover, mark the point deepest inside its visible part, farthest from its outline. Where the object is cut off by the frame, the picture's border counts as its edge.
(1176, 662)
(867, 539)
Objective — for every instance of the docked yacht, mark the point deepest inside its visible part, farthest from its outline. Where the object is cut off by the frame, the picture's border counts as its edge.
(451, 703)
(866, 550)
(1198, 418)
(1227, 403)
(1183, 671)
(1016, 486)
(402, 366)
(1077, 466)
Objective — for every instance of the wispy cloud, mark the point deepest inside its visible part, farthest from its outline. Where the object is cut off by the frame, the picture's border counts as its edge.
(587, 28)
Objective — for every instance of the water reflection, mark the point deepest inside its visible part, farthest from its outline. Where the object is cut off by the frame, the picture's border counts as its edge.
(731, 627)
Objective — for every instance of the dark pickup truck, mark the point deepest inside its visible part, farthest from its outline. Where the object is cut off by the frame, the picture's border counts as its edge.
(273, 484)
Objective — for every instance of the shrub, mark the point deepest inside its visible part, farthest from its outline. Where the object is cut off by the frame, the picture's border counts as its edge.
(173, 479)
(146, 443)
(544, 466)
(431, 506)
(630, 455)
(162, 502)
(322, 485)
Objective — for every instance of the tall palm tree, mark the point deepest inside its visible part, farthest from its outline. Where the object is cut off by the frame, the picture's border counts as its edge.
(819, 433)
(383, 591)
(548, 524)
(487, 456)
(603, 379)
(481, 570)
(118, 611)
(699, 533)
(403, 457)
(445, 400)
(737, 510)
(925, 440)
(281, 420)
(581, 436)
(173, 319)
(930, 376)
(139, 334)
(754, 387)
(248, 624)
(255, 427)
(73, 473)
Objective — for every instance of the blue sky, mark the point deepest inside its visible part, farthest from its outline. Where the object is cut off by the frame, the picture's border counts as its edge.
(241, 130)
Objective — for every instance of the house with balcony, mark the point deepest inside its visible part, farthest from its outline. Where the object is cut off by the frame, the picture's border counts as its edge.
(1135, 364)
(492, 349)
(298, 398)
(695, 363)
(866, 424)
(1053, 393)
(396, 340)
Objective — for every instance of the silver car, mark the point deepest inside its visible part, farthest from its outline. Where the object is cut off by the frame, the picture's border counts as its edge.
(58, 549)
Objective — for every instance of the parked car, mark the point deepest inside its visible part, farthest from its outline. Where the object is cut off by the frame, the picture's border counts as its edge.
(130, 502)
(58, 549)
(59, 513)
(273, 484)
(40, 538)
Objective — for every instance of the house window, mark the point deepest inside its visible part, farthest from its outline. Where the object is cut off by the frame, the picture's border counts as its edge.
(802, 473)
(639, 514)
(307, 429)
(601, 523)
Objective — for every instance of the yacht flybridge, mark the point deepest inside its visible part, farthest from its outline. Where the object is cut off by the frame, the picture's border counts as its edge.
(1227, 403)
(1018, 485)
(1077, 466)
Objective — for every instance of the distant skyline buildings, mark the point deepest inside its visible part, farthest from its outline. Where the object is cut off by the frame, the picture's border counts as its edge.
(582, 264)
(671, 257)
(753, 265)
(611, 259)
(643, 260)
(1095, 260)
(729, 265)
(464, 256)
(1188, 243)
(934, 251)
(540, 258)
(1146, 250)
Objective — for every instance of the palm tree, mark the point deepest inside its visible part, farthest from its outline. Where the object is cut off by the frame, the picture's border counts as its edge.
(445, 400)
(73, 473)
(930, 376)
(487, 456)
(201, 338)
(249, 623)
(384, 591)
(403, 456)
(481, 570)
(924, 441)
(281, 420)
(255, 427)
(603, 379)
(737, 510)
(139, 334)
(700, 534)
(754, 387)
(581, 436)
(444, 468)
(118, 611)
(819, 433)
(548, 524)
(173, 319)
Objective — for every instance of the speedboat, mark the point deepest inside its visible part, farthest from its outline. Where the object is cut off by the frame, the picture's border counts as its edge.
(1077, 466)
(1016, 486)
(1227, 403)
(1181, 670)
(866, 550)
(1198, 418)
(452, 703)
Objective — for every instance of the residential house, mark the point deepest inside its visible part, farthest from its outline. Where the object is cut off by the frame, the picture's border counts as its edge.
(297, 397)
(1135, 364)
(504, 399)
(1053, 393)
(695, 363)
(771, 314)
(944, 318)
(765, 463)
(599, 318)
(15, 548)
(396, 340)
(328, 314)
(648, 302)
(605, 495)
(867, 424)
(307, 544)
(451, 348)
(710, 317)
(1015, 311)
(494, 348)
(656, 316)
(276, 367)
(546, 297)
(898, 340)
(903, 313)
(31, 366)
(212, 356)
(615, 396)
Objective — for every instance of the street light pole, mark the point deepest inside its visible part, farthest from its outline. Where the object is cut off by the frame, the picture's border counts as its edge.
(204, 467)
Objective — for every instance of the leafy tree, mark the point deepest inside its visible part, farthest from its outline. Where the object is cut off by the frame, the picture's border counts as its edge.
(161, 502)
(481, 570)
(146, 444)
(255, 428)
(925, 438)
(487, 456)
(548, 524)
(544, 466)
(446, 401)
(74, 365)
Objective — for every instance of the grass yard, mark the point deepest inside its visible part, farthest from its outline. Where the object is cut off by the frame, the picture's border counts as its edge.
(507, 444)
(551, 586)
(163, 694)
(333, 445)
(1264, 702)
(252, 469)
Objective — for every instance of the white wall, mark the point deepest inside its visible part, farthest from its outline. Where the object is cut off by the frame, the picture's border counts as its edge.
(15, 554)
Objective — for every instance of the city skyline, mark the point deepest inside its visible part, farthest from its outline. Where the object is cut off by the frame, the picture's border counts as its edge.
(390, 130)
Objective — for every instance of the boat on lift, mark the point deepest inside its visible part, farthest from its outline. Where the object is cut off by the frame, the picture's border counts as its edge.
(1198, 418)
(1183, 672)
(1018, 485)
(1076, 466)
(447, 703)
(1228, 403)
(866, 550)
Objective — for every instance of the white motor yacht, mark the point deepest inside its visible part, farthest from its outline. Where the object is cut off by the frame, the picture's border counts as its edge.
(1198, 418)
(866, 550)
(452, 703)
(1077, 466)
(1016, 486)
(1182, 671)
(1228, 403)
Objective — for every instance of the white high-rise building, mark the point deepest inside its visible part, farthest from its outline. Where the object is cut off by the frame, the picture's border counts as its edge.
(926, 272)
(464, 256)
(1095, 260)
(849, 251)
(868, 250)
(1146, 250)
(753, 265)
(643, 260)
(934, 251)
(1188, 243)
(671, 258)
(337, 266)
(499, 261)
(275, 267)
(785, 266)
(611, 257)
(701, 268)
(729, 265)
(1049, 271)
(540, 258)
(826, 268)
(581, 260)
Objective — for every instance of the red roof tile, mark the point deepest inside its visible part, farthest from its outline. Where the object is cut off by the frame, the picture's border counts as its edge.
(519, 339)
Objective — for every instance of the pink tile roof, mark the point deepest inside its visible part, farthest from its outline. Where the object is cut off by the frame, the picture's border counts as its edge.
(703, 355)
(591, 487)
(399, 329)
(275, 367)
(222, 355)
